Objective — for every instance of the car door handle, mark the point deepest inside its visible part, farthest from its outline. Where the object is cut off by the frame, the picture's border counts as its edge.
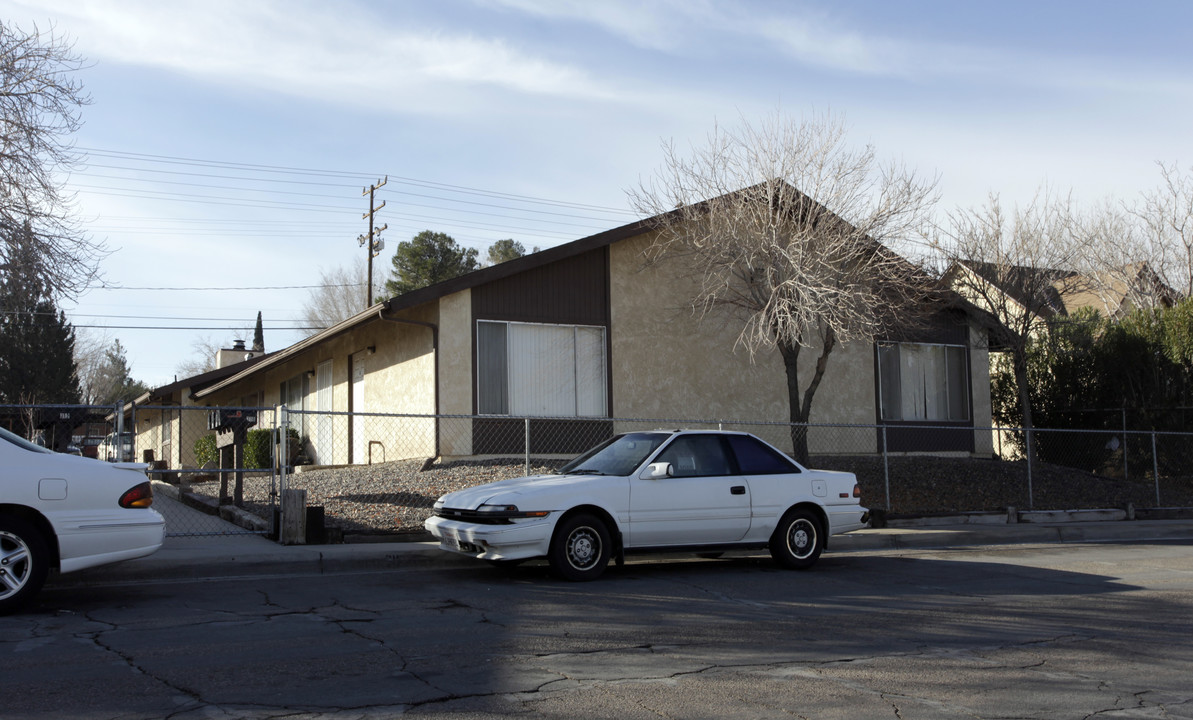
(738, 490)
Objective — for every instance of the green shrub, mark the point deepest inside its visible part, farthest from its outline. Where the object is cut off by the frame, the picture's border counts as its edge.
(257, 450)
(205, 451)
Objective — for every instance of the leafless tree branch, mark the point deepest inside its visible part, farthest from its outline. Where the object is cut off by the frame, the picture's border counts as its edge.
(40, 101)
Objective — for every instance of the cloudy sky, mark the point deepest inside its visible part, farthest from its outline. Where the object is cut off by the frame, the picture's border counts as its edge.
(228, 143)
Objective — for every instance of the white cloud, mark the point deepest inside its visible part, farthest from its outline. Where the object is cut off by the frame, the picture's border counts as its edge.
(337, 53)
(825, 38)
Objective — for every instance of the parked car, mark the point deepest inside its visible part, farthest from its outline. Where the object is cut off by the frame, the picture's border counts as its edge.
(91, 445)
(116, 448)
(661, 491)
(66, 513)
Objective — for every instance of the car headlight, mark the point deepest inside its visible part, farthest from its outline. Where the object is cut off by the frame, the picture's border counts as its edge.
(510, 512)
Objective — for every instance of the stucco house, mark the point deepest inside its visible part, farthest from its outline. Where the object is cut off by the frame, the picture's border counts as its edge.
(580, 338)
(168, 419)
(1113, 293)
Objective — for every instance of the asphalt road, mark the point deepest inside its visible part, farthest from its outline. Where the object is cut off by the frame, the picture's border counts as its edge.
(1032, 631)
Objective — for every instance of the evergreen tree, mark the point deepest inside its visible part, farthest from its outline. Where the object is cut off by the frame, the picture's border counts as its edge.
(428, 258)
(36, 341)
(259, 335)
(506, 250)
(114, 382)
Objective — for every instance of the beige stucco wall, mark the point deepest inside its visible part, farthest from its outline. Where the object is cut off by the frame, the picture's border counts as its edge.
(455, 372)
(979, 377)
(668, 363)
(399, 380)
(186, 423)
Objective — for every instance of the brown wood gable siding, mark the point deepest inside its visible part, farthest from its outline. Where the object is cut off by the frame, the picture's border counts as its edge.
(571, 291)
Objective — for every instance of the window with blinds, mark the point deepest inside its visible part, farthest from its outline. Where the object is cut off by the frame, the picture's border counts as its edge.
(533, 370)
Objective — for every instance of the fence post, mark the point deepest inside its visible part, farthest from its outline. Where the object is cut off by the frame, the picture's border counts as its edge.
(526, 446)
(1030, 495)
(886, 470)
(1126, 470)
(281, 422)
(1156, 467)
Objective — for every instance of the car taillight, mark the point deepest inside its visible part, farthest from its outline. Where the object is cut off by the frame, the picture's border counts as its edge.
(857, 490)
(140, 496)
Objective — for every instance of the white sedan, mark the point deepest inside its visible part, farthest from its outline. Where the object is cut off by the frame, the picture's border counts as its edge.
(660, 491)
(67, 513)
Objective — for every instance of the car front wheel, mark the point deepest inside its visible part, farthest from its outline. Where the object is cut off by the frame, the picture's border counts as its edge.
(798, 540)
(24, 562)
(580, 549)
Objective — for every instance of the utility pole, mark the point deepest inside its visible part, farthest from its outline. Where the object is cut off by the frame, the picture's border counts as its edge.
(373, 239)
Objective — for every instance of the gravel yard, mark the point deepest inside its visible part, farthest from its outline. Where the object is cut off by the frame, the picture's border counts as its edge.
(395, 497)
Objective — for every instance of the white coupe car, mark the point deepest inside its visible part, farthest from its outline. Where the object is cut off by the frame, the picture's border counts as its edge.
(660, 491)
(67, 513)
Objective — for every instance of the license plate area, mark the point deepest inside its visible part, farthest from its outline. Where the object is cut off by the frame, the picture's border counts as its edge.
(456, 543)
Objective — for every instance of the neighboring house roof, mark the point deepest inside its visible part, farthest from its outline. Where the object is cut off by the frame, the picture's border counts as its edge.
(197, 382)
(1116, 292)
(1111, 293)
(1018, 282)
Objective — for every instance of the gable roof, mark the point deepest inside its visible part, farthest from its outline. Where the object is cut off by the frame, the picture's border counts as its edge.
(1109, 291)
(493, 273)
(1018, 282)
(430, 293)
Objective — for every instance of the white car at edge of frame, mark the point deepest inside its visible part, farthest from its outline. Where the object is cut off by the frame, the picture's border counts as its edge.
(66, 513)
(656, 491)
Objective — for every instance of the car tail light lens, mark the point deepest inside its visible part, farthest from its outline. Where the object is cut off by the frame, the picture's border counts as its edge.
(140, 496)
(857, 490)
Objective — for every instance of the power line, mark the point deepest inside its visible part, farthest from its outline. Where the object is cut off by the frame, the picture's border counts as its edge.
(261, 287)
(171, 327)
(356, 176)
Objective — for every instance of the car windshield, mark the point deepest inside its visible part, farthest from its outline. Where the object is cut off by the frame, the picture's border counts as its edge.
(22, 442)
(617, 456)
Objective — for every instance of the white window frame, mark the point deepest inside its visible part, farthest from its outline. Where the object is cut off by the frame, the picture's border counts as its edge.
(599, 402)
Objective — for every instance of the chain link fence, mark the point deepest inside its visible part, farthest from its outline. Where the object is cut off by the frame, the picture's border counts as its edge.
(379, 474)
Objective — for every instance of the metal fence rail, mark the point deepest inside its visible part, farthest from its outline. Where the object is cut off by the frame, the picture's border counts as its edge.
(372, 473)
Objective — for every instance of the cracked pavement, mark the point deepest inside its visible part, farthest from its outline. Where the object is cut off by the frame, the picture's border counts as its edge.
(1079, 631)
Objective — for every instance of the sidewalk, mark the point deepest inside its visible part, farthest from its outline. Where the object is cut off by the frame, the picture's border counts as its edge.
(241, 555)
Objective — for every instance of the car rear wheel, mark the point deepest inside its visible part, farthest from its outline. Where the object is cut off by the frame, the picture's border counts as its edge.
(24, 562)
(798, 540)
(580, 549)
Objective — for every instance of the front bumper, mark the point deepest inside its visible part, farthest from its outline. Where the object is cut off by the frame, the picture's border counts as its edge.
(517, 541)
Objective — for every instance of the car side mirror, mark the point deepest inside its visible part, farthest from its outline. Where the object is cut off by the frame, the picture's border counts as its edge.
(654, 471)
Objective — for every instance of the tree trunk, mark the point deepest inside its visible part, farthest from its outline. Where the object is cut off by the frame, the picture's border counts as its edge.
(800, 403)
(1019, 361)
(799, 427)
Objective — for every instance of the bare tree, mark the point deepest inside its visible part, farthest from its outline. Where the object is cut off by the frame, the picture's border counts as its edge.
(1167, 216)
(337, 298)
(205, 349)
(39, 108)
(91, 348)
(1018, 266)
(1121, 261)
(784, 224)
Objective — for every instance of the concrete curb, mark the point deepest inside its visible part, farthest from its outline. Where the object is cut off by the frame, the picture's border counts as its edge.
(244, 555)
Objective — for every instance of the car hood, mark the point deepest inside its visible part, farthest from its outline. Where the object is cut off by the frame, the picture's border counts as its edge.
(538, 488)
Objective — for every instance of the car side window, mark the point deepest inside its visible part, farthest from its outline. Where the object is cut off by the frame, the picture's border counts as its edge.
(696, 456)
(757, 458)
